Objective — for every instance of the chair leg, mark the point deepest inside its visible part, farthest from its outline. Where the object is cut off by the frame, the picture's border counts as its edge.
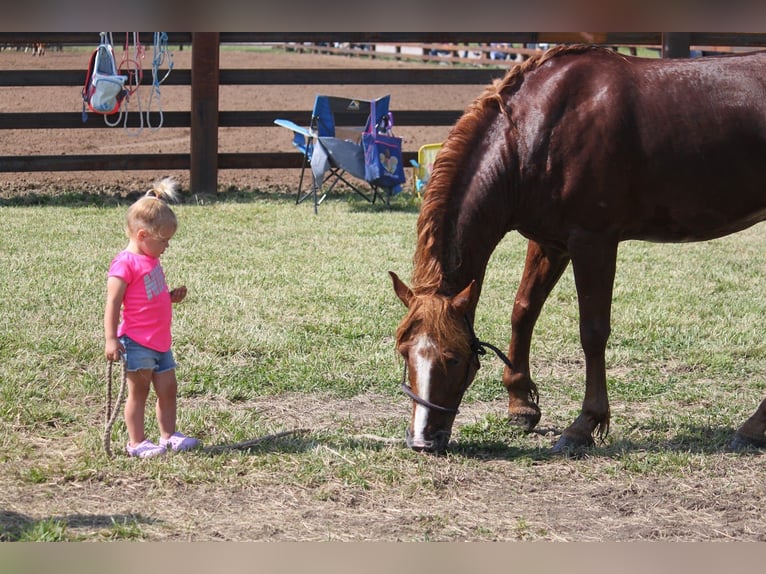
(316, 187)
(338, 174)
(311, 193)
(300, 181)
(384, 193)
(358, 189)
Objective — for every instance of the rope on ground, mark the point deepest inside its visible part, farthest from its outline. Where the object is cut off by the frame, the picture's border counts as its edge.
(254, 442)
(376, 438)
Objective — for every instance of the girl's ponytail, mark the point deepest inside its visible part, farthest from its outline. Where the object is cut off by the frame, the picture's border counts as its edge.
(165, 189)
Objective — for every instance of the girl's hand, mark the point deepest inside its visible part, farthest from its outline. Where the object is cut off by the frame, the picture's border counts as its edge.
(114, 349)
(178, 294)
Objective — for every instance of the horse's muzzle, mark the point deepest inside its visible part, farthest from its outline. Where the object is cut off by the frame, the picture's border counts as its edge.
(436, 444)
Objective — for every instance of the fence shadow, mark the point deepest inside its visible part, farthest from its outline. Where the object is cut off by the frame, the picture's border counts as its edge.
(121, 197)
(403, 202)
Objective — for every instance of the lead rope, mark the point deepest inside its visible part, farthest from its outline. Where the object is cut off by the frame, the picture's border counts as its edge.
(480, 347)
(111, 413)
(160, 54)
(133, 68)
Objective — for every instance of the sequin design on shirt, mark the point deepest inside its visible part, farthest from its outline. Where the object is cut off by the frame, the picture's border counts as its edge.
(154, 281)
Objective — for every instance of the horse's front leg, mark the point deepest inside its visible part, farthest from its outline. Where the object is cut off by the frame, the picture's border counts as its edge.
(594, 259)
(752, 433)
(542, 270)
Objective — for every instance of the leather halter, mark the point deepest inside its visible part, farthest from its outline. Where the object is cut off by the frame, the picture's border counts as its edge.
(478, 348)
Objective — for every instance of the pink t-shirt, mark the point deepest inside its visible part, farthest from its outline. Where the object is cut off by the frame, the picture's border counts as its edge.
(146, 308)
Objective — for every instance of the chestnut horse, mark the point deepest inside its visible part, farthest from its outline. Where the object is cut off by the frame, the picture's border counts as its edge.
(577, 149)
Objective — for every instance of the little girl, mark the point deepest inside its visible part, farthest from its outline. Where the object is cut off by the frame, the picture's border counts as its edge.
(136, 284)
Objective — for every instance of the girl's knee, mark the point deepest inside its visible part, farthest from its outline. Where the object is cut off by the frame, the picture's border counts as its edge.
(139, 383)
(165, 383)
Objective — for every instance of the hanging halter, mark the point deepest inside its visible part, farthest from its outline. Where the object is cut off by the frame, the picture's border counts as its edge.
(160, 53)
(132, 67)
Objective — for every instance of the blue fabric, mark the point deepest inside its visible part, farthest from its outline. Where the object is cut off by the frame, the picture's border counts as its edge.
(138, 357)
(324, 117)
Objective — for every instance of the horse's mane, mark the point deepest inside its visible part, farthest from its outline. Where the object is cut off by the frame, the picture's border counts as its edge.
(427, 265)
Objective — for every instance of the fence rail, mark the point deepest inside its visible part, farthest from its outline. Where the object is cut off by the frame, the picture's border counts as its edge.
(205, 77)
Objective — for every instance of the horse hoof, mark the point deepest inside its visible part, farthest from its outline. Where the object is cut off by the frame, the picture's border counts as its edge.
(524, 416)
(568, 445)
(742, 443)
(526, 420)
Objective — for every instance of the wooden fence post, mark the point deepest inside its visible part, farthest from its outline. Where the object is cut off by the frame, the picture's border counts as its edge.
(675, 44)
(204, 112)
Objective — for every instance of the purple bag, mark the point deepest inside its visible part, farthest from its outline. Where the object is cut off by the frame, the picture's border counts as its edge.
(383, 164)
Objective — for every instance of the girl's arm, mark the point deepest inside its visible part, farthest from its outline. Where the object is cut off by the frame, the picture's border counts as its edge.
(115, 291)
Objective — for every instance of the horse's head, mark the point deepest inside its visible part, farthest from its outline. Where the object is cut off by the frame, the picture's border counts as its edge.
(435, 338)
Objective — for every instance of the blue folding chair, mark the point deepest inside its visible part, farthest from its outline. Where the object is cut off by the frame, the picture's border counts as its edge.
(332, 144)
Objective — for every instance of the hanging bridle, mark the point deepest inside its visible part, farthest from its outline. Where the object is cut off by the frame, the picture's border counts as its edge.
(478, 348)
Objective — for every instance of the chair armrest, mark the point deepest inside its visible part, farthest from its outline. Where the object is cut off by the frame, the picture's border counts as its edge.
(306, 132)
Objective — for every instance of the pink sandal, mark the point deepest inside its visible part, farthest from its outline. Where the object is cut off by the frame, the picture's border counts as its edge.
(145, 449)
(179, 442)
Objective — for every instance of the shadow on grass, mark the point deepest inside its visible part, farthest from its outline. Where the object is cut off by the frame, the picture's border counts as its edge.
(120, 197)
(299, 440)
(498, 450)
(690, 439)
(286, 441)
(232, 194)
(14, 525)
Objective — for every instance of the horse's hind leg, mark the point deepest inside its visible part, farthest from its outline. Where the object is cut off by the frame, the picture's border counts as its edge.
(542, 270)
(752, 433)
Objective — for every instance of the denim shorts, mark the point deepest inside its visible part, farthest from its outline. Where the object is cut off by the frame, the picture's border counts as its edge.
(138, 357)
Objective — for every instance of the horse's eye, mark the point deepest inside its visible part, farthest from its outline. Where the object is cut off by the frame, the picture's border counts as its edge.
(452, 361)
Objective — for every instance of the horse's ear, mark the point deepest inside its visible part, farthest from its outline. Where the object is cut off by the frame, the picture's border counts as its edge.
(402, 291)
(464, 300)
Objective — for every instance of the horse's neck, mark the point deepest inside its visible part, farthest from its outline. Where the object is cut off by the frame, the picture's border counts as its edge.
(468, 242)
(473, 201)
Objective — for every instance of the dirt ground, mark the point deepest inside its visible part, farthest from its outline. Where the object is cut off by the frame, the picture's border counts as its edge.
(564, 501)
(154, 139)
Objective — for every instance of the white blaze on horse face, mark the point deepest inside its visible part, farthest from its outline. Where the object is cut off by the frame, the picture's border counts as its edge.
(422, 350)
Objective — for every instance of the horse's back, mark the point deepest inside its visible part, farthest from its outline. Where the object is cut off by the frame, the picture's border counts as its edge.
(667, 150)
(651, 101)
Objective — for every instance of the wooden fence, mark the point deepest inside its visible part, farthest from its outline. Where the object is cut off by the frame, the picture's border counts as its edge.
(205, 77)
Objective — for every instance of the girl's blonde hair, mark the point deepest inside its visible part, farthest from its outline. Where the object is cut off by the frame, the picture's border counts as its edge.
(152, 212)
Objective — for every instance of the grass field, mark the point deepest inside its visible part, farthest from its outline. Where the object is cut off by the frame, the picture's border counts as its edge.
(286, 342)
